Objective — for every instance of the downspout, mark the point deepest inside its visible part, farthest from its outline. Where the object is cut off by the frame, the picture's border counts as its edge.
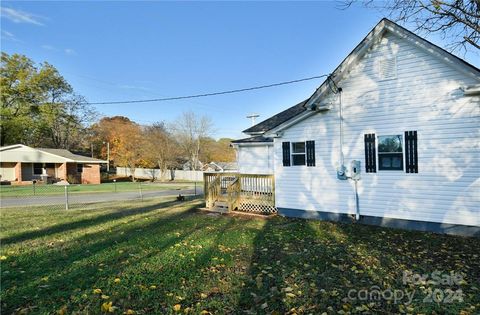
(357, 206)
(341, 172)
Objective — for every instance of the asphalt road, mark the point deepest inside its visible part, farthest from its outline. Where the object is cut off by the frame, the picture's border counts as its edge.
(85, 198)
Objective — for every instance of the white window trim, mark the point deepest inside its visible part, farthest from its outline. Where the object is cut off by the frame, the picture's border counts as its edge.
(377, 142)
(292, 154)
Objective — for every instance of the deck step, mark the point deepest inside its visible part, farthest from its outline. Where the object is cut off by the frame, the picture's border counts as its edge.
(220, 206)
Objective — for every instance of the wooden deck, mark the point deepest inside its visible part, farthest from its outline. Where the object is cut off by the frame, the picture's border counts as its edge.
(240, 192)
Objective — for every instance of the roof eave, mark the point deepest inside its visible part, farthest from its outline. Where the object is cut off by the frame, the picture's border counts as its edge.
(90, 162)
(274, 132)
(251, 144)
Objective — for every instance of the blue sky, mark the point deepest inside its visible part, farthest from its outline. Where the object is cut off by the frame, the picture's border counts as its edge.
(136, 50)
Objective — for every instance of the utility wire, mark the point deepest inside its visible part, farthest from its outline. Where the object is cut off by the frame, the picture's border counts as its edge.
(207, 94)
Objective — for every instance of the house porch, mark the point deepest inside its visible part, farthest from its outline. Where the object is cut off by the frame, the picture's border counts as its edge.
(225, 192)
(25, 173)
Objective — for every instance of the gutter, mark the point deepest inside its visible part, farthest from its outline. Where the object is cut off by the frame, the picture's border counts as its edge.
(472, 90)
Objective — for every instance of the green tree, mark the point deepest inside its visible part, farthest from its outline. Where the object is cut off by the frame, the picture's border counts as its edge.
(20, 97)
(39, 107)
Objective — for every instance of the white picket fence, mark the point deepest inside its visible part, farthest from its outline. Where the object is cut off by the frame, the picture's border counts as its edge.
(150, 173)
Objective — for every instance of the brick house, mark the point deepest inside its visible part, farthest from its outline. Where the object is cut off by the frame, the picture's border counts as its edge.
(20, 164)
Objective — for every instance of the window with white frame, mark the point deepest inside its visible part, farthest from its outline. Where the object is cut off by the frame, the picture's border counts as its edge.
(390, 153)
(298, 153)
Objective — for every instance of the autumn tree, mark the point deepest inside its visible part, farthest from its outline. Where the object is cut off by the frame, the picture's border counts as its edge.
(455, 20)
(160, 148)
(125, 140)
(189, 129)
(217, 151)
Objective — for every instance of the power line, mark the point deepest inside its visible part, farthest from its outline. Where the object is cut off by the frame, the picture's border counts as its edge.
(207, 94)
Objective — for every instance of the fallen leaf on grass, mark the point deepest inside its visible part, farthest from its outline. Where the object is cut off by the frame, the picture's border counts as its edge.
(107, 307)
(105, 297)
(62, 311)
(177, 307)
(117, 280)
(97, 291)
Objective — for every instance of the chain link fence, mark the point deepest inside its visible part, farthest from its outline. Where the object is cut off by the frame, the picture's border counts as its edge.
(82, 196)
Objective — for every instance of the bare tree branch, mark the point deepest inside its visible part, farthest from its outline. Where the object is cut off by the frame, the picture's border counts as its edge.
(455, 20)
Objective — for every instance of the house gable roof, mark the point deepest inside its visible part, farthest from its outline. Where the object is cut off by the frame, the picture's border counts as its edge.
(385, 25)
(281, 119)
(26, 154)
(276, 120)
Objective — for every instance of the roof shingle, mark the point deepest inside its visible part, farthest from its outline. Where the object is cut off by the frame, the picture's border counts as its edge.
(277, 119)
(69, 155)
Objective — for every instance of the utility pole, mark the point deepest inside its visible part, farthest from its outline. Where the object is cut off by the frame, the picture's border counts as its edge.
(252, 117)
(108, 155)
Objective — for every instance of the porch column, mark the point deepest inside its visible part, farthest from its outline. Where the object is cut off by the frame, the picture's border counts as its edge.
(18, 171)
(62, 171)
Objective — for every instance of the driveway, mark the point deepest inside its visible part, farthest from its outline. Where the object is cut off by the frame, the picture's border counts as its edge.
(84, 198)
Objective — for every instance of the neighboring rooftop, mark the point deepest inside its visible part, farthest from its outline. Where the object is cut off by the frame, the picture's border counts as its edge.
(254, 139)
(69, 155)
(276, 120)
(26, 154)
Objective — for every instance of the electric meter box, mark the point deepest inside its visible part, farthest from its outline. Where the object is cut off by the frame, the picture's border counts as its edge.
(355, 168)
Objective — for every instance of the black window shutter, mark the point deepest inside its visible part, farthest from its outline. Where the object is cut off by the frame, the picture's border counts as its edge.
(286, 153)
(310, 153)
(370, 153)
(411, 155)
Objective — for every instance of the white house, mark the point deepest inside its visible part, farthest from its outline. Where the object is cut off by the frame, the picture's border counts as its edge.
(407, 111)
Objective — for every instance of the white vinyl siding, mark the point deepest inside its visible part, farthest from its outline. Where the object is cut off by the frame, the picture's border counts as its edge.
(424, 96)
(255, 159)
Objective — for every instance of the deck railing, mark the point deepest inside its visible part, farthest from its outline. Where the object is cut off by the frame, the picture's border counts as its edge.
(241, 192)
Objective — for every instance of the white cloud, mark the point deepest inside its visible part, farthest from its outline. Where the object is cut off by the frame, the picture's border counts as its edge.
(9, 36)
(133, 87)
(70, 51)
(18, 16)
(48, 47)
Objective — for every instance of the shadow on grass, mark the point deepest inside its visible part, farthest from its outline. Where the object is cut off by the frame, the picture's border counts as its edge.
(304, 266)
(279, 272)
(61, 228)
(47, 277)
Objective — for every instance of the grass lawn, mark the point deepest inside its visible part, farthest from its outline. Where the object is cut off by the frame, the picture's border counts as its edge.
(42, 190)
(164, 257)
